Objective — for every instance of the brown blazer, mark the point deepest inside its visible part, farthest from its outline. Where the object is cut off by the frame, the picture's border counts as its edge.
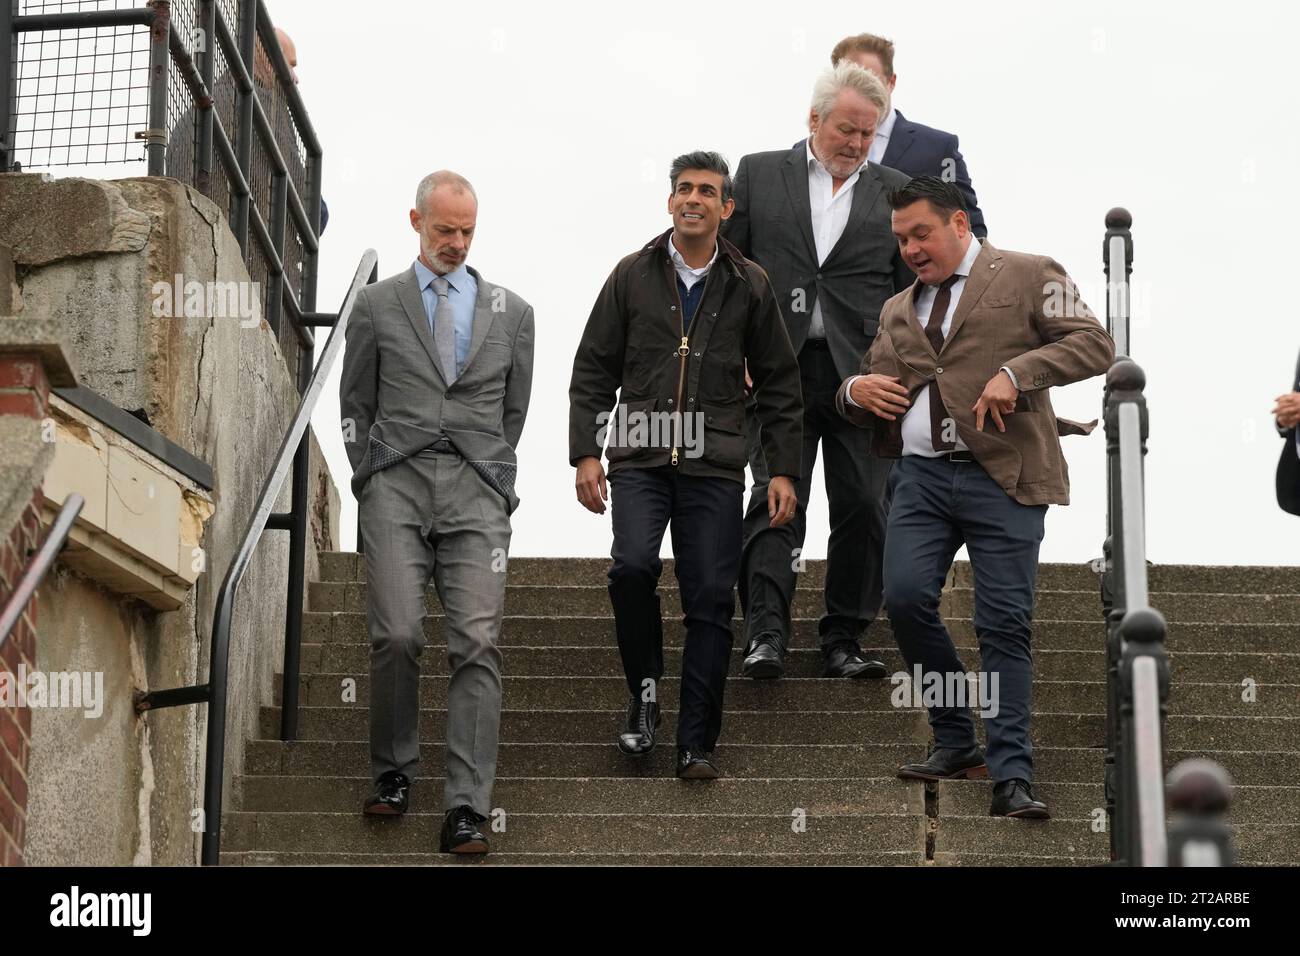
(1017, 310)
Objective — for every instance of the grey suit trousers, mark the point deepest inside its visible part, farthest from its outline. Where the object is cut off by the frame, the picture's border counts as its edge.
(433, 516)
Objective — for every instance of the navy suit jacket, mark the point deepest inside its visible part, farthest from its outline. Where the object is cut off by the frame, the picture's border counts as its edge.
(1288, 467)
(919, 150)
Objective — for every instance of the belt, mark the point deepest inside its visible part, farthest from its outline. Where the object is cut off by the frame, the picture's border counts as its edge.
(442, 446)
(958, 456)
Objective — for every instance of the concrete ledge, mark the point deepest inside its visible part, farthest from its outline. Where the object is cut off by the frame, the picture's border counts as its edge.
(141, 529)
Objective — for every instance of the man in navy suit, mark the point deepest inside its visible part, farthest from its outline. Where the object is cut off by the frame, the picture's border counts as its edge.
(1287, 413)
(902, 144)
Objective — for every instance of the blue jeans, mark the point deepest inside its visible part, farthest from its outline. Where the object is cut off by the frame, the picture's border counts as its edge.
(937, 506)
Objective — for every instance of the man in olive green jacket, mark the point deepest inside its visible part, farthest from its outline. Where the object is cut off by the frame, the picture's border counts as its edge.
(672, 332)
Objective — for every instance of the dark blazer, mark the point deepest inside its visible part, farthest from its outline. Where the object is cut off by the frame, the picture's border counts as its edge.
(919, 150)
(1288, 466)
(772, 225)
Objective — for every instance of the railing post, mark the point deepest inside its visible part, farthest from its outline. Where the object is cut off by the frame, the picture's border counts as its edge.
(1144, 680)
(1200, 793)
(8, 83)
(1117, 255)
(204, 112)
(159, 72)
(247, 40)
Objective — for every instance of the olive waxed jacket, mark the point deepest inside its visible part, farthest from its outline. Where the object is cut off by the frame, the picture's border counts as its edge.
(634, 344)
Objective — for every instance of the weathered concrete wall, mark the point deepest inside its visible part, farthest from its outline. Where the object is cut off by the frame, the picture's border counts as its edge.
(89, 252)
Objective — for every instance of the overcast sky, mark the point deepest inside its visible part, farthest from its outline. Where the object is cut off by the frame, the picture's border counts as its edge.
(565, 117)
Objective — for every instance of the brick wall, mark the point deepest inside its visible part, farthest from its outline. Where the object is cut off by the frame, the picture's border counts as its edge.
(24, 391)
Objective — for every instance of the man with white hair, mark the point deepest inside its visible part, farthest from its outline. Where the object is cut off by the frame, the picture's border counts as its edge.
(816, 218)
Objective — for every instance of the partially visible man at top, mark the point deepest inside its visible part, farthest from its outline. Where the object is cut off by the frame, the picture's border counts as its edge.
(901, 144)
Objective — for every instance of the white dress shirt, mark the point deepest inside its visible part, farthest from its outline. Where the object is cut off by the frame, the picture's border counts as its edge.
(880, 142)
(917, 431)
(830, 214)
(688, 275)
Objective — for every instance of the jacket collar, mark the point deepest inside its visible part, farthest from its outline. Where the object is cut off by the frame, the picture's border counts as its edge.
(726, 251)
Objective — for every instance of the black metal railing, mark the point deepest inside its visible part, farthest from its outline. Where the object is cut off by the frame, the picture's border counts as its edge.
(213, 693)
(1137, 663)
(39, 565)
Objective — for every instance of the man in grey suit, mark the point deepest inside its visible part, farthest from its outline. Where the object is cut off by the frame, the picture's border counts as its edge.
(815, 217)
(435, 387)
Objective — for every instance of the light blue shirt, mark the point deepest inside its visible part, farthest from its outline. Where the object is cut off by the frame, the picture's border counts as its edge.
(462, 292)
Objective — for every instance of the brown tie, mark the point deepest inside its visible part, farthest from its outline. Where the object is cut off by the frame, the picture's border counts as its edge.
(934, 332)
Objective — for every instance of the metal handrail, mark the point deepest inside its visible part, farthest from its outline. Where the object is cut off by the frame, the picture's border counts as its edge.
(214, 691)
(40, 565)
(1137, 663)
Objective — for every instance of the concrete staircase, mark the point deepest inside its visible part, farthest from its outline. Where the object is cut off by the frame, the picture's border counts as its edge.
(808, 763)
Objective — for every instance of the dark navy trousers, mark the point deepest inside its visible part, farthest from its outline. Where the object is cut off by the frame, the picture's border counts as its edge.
(705, 516)
(938, 505)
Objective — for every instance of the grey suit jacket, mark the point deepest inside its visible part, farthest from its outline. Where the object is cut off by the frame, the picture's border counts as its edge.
(772, 225)
(394, 400)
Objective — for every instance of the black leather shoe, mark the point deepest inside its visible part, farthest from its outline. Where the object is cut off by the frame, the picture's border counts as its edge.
(765, 659)
(460, 832)
(1013, 798)
(696, 765)
(947, 763)
(845, 660)
(638, 736)
(390, 795)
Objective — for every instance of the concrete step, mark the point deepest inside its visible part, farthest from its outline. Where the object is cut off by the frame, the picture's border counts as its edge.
(576, 858)
(349, 566)
(965, 839)
(602, 726)
(799, 693)
(627, 833)
(325, 794)
(1051, 764)
(598, 630)
(959, 602)
(905, 725)
(589, 661)
(1253, 804)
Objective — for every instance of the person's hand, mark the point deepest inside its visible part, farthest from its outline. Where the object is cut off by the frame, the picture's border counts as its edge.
(1287, 410)
(880, 394)
(749, 382)
(998, 399)
(590, 485)
(781, 500)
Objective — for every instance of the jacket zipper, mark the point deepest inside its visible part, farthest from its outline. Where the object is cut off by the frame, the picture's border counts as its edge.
(683, 350)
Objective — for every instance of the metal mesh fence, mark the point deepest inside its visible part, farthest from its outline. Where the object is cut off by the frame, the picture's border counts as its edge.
(81, 98)
(81, 94)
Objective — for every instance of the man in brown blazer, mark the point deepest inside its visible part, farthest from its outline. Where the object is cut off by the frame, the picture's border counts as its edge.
(956, 384)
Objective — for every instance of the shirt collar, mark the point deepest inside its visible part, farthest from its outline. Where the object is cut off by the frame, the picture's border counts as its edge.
(819, 165)
(458, 278)
(678, 260)
(968, 261)
(884, 130)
